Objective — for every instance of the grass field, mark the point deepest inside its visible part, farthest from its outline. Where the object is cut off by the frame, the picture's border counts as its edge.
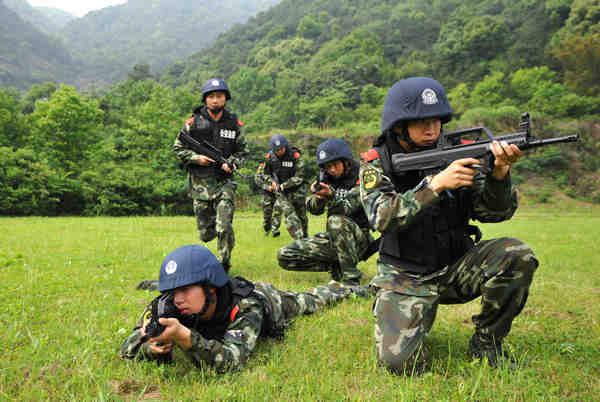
(69, 300)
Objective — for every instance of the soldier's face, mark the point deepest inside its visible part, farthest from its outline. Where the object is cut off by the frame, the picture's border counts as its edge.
(216, 100)
(280, 152)
(423, 132)
(189, 299)
(335, 168)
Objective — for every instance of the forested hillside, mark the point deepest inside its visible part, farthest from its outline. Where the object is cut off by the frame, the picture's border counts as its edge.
(154, 33)
(28, 56)
(45, 19)
(313, 62)
(312, 69)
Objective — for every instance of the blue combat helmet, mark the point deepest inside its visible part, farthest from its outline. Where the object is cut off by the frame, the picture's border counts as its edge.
(188, 265)
(278, 141)
(215, 84)
(331, 150)
(415, 98)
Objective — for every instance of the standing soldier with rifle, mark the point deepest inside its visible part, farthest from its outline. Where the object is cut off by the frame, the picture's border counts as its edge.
(271, 208)
(283, 174)
(428, 256)
(347, 238)
(211, 146)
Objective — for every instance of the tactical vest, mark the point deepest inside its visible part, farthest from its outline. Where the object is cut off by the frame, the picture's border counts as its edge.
(438, 238)
(239, 288)
(284, 167)
(222, 134)
(348, 182)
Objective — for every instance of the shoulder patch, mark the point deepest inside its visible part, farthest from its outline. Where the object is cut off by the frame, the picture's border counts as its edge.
(296, 155)
(190, 120)
(240, 123)
(268, 156)
(233, 313)
(370, 155)
(370, 178)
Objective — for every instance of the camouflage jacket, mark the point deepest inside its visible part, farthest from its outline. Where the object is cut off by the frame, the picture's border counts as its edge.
(209, 186)
(266, 311)
(295, 183)
(345, 201)
(388, 210)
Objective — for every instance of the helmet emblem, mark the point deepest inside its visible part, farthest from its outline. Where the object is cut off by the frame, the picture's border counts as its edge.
(278, 143)
(215, 83)
(171, 267)
(322, 155)
(429, 97)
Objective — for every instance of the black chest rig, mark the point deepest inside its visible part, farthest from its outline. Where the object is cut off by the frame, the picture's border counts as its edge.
(222, 134)
(284, 167)
(228, 298)
(344, 184)
(438, 238)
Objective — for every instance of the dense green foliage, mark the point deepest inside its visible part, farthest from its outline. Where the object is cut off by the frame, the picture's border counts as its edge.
(313, 69)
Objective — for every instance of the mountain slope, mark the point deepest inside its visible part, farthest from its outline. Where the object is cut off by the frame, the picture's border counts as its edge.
(37, 17)
(158, 32)
(60, 18)
(28, 56)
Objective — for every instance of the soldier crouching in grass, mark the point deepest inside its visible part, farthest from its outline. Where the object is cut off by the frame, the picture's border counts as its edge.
(427, 256)
(216, 319)
(339, 249)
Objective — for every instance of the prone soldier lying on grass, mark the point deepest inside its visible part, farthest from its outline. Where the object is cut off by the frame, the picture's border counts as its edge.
(216, 319)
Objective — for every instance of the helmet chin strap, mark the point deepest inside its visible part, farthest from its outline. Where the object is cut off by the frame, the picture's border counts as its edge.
(415, 148)
(217, 109)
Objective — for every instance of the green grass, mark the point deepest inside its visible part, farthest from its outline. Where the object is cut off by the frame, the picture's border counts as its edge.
(69, 300)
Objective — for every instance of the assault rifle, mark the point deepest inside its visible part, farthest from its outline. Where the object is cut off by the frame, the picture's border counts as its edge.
(204, 147)
(450, 148)
(322, 175)
(162, 307)
(278, 190)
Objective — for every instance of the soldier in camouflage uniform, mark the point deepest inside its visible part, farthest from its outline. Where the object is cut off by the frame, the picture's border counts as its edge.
(284, 174)
(220, 319)
(339, 249)
(427, 256)
(211, 183)
(269, 204)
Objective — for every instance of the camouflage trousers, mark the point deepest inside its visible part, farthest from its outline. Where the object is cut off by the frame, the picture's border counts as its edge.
(294, 208)
(287, 304)
(215, 219)
(271, 212)
(498, 270)
(338, 250)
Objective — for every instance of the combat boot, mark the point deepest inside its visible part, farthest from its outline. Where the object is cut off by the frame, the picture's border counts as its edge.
(359, 291)
(482, 348)
(148, 284)
(276, 233)
(226, 266)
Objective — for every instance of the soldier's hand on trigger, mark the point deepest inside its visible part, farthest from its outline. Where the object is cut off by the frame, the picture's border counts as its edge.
(458, 174)
(156, 347)
(226, 168)
(174, 332)
(203, 160)
(324, 192)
